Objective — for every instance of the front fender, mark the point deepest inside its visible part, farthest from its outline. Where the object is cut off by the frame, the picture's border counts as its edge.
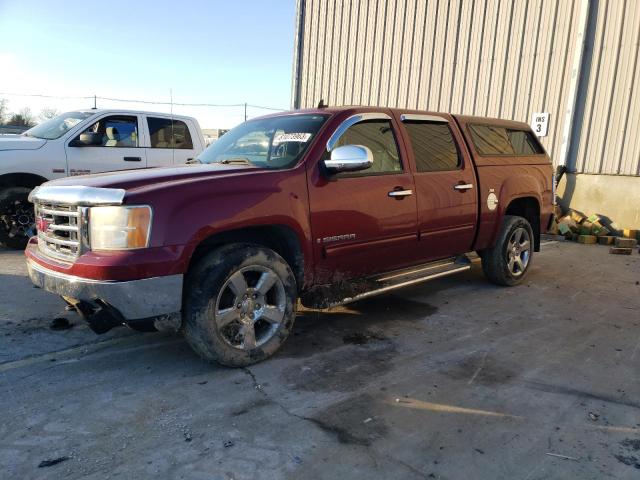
(187, 213)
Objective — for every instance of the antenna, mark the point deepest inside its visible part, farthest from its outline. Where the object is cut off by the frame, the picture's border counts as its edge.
(173, 139)
(321, 104)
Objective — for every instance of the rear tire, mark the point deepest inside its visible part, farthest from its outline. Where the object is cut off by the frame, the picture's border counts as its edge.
(17, 218)
(508, 262)
(239, 305)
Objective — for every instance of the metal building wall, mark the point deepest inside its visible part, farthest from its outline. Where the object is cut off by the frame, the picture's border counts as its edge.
(497, 58)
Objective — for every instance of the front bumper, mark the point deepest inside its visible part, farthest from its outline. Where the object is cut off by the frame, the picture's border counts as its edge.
(143, 299)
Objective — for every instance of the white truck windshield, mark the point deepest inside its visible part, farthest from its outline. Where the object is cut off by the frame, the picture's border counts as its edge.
(57, 126)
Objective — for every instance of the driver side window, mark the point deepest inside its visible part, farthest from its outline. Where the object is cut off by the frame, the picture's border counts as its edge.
(378, 136)
(115, 131)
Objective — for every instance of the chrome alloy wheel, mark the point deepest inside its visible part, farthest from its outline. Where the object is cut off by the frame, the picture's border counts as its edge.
(518, 251)
(250, 307)
(19, 219)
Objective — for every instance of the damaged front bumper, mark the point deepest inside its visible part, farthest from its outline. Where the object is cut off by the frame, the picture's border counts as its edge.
(107, 303)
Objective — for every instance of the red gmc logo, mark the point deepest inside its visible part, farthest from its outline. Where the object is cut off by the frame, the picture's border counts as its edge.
(42, 224)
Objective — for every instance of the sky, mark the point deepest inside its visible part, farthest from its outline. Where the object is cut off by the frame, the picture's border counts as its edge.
(198, 51)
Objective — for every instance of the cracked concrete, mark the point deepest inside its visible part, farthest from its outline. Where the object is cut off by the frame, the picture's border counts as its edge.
(456, 378)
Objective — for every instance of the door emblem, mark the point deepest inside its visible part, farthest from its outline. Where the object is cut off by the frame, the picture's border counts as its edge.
(337, 238)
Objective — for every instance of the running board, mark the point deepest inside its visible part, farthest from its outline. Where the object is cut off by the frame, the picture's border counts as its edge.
(410, 276)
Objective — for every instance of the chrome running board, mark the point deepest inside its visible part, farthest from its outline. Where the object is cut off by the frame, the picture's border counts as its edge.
(410, 276)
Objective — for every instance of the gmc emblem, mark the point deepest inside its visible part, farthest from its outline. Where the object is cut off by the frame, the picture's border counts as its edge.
(42, 224)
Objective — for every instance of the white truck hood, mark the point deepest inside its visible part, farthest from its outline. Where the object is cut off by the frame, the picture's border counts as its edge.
(20, 142)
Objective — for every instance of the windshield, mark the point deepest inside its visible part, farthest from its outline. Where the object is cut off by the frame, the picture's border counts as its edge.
(57, 126)
(276, 142)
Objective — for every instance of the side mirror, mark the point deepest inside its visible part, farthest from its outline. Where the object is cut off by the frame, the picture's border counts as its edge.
(87, 139)
(349, 158)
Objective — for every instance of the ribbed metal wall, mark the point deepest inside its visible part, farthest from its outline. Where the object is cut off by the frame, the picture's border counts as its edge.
(497, 58)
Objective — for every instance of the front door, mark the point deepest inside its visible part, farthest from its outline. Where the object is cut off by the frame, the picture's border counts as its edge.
(358, 227)
(445, 186)
(119, 148)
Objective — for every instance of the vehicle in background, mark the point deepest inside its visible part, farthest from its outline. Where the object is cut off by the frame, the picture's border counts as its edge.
(327, 206)
(82, 142)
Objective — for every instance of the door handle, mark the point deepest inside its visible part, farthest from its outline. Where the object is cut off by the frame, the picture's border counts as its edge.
(400, 194)
(463, 187)
(132, 159)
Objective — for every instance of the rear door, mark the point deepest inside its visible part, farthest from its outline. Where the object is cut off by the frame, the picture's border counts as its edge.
(445, 185)
(120, 148)
(170, 142)
(358, 227)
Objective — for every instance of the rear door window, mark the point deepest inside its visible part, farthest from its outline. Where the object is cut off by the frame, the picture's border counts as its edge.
(491, 140)
(524, 143)
(167, 133)
(434, 147)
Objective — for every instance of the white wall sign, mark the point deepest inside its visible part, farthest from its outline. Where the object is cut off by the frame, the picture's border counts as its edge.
(540, 123)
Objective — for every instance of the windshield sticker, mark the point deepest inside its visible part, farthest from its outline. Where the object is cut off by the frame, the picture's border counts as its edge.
(292, 137)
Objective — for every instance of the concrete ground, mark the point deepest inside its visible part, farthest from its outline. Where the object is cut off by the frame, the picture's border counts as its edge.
(453, 379)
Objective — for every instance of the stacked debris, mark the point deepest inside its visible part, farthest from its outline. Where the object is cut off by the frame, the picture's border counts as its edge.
(593, 229)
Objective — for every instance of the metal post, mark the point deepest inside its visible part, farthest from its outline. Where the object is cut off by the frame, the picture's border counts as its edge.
(576, 72)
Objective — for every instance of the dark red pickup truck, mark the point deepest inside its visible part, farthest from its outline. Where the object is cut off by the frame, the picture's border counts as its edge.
(326, 206)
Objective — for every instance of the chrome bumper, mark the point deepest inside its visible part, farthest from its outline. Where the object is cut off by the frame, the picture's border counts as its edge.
(135, 299)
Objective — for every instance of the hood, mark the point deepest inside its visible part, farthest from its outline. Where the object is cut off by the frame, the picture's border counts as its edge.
(20, 142)
(131, 180)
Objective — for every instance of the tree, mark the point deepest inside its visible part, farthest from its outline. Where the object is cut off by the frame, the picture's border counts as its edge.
(48, 113)
(23, 118)
(3, 110)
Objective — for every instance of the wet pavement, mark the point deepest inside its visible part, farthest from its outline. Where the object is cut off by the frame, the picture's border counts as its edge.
(452, 379)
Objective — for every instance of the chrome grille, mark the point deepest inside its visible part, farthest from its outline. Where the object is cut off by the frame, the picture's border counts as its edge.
(59, 230)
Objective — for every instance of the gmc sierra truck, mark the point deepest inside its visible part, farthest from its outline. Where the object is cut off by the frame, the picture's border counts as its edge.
(81, 142)
(323, 206)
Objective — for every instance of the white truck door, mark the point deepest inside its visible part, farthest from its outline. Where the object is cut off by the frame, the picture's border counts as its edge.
(111, 143)
(171, 142)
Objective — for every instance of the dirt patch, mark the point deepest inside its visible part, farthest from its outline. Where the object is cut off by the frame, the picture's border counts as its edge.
(628, 457)
(629, 460)
(353, 421)
(631, 444)
(482, 369)
(319, 331)
(344, 369)
(358, 338)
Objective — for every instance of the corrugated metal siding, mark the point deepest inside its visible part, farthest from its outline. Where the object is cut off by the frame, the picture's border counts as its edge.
(497, 58)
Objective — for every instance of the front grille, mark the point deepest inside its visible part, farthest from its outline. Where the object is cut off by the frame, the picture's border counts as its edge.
(59, 230)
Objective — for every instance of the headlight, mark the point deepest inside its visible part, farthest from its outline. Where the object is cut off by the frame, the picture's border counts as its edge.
(119, 228)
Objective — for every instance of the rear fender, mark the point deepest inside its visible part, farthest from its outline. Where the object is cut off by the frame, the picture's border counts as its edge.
(513, 188)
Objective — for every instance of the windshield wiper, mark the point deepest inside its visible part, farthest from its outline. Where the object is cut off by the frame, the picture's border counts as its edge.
(237, 161)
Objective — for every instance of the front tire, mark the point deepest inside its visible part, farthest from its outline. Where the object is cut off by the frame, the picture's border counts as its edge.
(17, 218)
(239, 305)
(508, 262)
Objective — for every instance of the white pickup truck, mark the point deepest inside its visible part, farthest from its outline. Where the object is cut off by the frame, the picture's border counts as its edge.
(82, 142)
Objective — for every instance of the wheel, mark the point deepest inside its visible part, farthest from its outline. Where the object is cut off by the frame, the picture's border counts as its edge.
(17, 218)
(239, 304)
(508, 262)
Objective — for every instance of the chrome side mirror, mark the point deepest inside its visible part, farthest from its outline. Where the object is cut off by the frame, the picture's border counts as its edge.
(349, 158)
